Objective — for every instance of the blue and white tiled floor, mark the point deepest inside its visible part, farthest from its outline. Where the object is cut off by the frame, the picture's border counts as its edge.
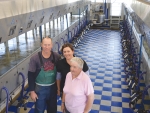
(101, 49)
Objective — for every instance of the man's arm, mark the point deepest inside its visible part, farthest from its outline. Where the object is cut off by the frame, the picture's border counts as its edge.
(31, 80)
(31, 83)
(58, 79)
(58, 87)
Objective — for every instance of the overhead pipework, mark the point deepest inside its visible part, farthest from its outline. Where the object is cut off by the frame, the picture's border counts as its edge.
(106, 14)
(99, 13)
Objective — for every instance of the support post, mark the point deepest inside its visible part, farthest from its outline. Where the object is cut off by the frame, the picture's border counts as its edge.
(26, 37)
(50, 28)
(67, 26)
(6, 46)
(33, 34)
(40, 32)
(140, 54)
(17, 39)
(53, 31)
(57, 22)
(79, 22)
(45, 29)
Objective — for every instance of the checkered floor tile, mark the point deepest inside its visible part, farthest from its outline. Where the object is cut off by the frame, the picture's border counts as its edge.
(101, 49)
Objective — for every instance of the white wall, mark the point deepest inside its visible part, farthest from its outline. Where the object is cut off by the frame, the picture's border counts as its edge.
(16, 7)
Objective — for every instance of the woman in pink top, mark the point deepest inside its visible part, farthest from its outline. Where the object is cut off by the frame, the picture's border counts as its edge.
(78, 92)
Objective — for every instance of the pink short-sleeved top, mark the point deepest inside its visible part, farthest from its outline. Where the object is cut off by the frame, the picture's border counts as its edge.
(76, 91)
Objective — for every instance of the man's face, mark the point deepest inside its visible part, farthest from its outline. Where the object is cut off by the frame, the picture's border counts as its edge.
(74, 69)
(46, 45)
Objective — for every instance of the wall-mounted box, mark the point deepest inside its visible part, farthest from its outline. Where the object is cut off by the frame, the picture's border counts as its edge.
(12, 30)
(41, 20)
(29, 24)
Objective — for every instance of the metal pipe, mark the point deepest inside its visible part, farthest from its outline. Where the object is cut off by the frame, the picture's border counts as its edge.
(6, 47)
(107, 13)
(23, 82)
(26, 37)
(140, 54)
(73, 32)
(71, 37)
(33, 33)
(50, 28)
(36, 31)
(40, 32)
(67, 26)
(7, 99)
(63, 40)
(17, 39)
(58, 47)
(105, 6)
(45, 29)
(131, 35)
(133, 99)
(139, 79)
(130, 82)
(133, 95)
(86, 15)
(133, 86)
(76, 27)
(57, 22)
(79, 21)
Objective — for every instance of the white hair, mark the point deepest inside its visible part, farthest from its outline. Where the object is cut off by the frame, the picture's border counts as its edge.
(79, 61)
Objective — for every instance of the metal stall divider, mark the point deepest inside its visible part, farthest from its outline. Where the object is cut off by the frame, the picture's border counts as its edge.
(79, 22)
(7, 97)
(133, 102)
(70, 37)
(23, 98)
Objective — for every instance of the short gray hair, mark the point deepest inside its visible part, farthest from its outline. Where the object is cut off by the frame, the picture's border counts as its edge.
(79, 61)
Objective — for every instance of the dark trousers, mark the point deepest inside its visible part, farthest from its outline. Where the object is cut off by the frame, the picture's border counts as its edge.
(67, 111)
(47, 97)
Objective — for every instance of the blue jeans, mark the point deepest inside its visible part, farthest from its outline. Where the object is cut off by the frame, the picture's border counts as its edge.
(47, 97)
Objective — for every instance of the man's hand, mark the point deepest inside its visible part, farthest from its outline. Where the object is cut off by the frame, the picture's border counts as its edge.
(58, 92)
(33, 96)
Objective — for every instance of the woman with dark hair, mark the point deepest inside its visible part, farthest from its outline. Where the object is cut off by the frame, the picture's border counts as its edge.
(63, 66)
